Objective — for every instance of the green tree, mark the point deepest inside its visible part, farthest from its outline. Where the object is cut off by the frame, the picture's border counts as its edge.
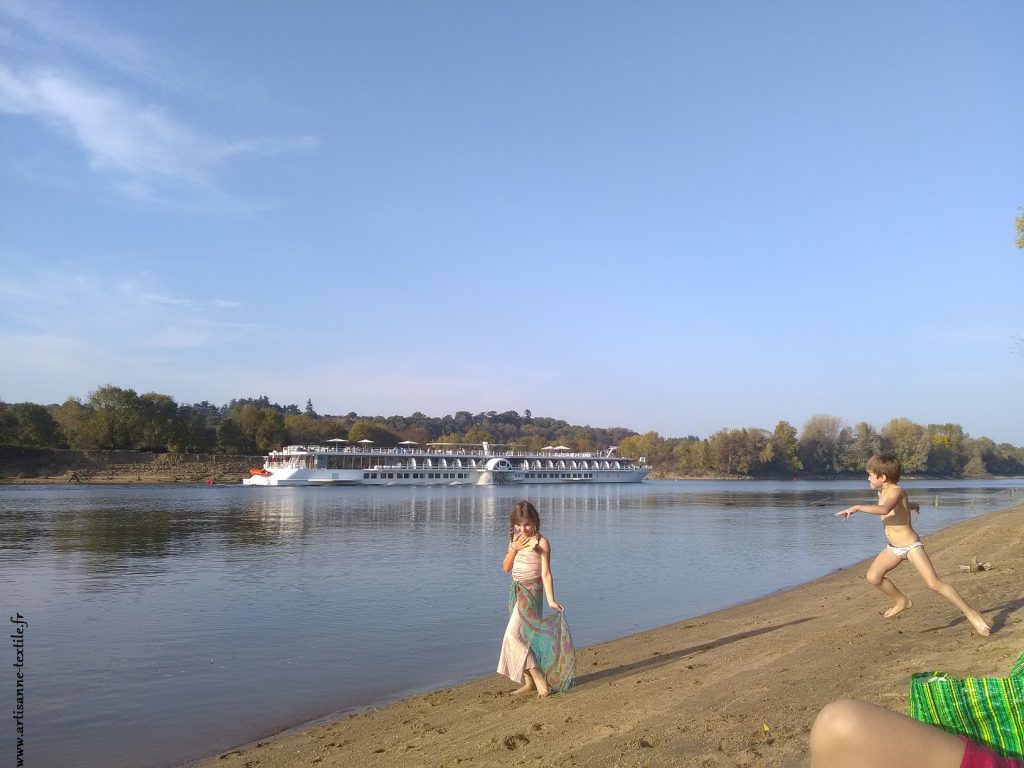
(157, 417)
(302, 430)
(194, 431)
(270, 431)
(36, 428)
(117, 413)
(8, 425)
(785, 450)
(822, 443)
(864, 443)
(81, 427)
(232, 440)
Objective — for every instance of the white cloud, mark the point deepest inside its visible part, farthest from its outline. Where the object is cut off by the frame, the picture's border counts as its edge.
(140, 147)
(44, 25)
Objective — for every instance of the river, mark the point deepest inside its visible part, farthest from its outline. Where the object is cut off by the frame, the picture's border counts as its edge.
(165, 623)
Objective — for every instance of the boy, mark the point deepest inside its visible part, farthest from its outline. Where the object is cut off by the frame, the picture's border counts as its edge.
(884, 470)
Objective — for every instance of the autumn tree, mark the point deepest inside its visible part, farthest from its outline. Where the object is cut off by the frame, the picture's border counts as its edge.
(947, 450)
(647, 445)
(909, 442)
(381, 436)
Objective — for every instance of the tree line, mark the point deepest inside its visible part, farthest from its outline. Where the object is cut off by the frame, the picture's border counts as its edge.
(827, 447)
(113, 418)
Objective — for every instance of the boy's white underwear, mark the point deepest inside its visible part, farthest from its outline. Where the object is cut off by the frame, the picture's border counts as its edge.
(902, 552)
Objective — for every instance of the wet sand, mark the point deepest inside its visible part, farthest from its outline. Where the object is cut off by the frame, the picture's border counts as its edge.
(738, 687)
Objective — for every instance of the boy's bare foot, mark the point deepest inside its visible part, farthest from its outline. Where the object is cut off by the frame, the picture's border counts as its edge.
(981, 626)
(900, 606)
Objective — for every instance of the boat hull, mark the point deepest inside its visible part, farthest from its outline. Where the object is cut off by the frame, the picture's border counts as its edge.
(320, 477)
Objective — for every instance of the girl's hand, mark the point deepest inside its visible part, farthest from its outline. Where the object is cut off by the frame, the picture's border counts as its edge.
(556, 606)
(522, 541)
(845, 514)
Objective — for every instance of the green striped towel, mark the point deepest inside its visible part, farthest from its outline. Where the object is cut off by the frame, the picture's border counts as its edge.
(988, 710)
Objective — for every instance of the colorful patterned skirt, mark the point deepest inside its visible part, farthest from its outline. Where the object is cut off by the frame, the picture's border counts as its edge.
(534, 641)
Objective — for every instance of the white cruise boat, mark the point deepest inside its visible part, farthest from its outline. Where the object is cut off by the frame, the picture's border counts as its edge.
(441, 464)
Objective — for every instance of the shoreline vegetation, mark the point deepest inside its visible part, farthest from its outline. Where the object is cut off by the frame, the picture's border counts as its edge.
(733, 688)
(56, 466)
(825, 447)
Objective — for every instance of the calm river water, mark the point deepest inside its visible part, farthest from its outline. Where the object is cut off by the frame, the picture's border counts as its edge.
(166, 623)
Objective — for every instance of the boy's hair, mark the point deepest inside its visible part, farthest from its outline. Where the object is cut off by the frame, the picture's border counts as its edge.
(886, 464)
(523, 512)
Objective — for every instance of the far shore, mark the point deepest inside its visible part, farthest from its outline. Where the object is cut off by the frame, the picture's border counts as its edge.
(37, 466)
(734, 688)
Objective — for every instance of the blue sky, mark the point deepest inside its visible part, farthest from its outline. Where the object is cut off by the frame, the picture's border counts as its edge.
(670, 216)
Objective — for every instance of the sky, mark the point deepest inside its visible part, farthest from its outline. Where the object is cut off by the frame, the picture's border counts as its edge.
(668, 216)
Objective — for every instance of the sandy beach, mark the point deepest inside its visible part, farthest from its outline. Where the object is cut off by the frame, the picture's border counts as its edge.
(738, 687)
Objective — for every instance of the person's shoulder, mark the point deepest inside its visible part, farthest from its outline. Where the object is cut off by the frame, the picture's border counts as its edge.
(544, 544)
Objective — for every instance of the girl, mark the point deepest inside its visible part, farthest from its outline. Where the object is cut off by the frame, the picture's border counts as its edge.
(536, 652)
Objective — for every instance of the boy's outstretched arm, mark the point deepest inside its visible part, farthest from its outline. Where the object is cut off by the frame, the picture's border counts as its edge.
(886, 502)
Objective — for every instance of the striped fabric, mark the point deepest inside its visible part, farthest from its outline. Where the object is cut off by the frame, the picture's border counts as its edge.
(987, 710)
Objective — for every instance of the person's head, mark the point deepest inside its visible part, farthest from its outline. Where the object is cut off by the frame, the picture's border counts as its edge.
(885, 467)
(524, 519)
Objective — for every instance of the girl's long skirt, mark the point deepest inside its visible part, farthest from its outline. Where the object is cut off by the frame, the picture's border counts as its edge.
(532, 641)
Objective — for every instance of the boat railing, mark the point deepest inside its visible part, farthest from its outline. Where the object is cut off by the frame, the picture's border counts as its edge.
(293, 449)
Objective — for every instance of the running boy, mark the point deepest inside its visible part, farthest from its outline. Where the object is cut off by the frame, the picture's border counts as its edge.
(884, 472)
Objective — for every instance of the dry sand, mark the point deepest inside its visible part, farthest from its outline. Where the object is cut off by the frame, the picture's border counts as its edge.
(739, 687)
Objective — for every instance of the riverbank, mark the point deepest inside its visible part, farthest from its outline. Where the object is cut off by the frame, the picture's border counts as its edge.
(44, 465)
(738, 687)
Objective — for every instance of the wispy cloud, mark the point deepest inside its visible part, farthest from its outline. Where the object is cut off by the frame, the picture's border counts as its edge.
(134, 313)
(48, 29)
(138, 144)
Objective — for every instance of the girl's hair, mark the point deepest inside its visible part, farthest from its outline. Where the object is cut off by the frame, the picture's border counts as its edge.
(523, 512)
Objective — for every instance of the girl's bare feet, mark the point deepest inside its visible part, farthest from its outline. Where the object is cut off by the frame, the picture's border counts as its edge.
(526, 688)
(539, 681)
(901, 605)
